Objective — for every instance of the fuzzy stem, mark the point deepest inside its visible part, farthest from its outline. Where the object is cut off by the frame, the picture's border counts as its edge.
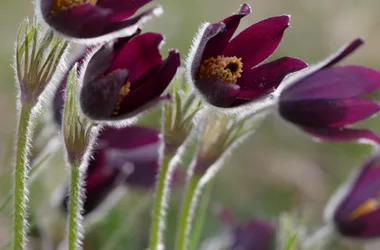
(196, 234)
(20, 178)
(161, 201)
(320, 239)
(185, 219)
(75, 210)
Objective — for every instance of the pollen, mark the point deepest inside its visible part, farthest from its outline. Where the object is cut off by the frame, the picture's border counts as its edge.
(62, 5)
(122, 93)
(365, 208)
(227, 69)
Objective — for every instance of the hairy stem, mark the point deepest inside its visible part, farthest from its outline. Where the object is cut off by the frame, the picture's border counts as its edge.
(161, 200)
(185, 219)
(75, 209)
(20, 224)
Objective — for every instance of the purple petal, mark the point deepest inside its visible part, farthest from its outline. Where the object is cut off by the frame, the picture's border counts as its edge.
(365, 186)
(217, 92)
(138, 55)
(210, 31)
(334, 83)
(122, 9)
(98, 98)
(267, 77)
(342, 53)
(322, 113)
(216, 45)
(258, 41)
(256, 234)
(83, 21)
(152, 88)
(343, 134)
(127, 137)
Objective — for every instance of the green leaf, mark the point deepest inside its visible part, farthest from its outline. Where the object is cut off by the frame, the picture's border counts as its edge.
(291, 242)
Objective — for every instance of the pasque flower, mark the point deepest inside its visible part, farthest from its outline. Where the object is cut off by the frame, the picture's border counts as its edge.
(226, 72)
(324, 99)
(125, 76)
(355, 209)
(88, 19)
(123, 156)
(126, 156)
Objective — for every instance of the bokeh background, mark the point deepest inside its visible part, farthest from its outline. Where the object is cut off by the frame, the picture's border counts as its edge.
(279, 169)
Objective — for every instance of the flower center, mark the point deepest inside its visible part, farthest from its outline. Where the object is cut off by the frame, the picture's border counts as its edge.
(227, 69)
(122, 93)
(62, 5)
(365, 208)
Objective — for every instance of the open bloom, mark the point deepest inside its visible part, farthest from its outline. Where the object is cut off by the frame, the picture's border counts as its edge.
(126, 156)
(355, 209)
(324, 99)
(226, 72)
(126, 76)
(87, 19)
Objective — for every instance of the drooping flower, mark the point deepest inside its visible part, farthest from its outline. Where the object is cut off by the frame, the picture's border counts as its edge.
(89, 19)
(355, 208)
(126, 76)
(226, 72)
(324, 99)
(254, 234)
(123, 156)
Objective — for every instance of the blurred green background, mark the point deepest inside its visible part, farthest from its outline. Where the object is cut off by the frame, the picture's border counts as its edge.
(279, 169)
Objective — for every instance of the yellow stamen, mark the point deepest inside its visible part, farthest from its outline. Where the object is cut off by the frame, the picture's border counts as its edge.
(227, 69)
(122, 93)
(62, 5)
(365, 208)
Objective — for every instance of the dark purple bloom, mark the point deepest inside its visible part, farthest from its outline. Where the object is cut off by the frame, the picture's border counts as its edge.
(226, 72)
(355, 210)
(324, 99)
(126, 155)
(126, 76)
(87, 19)
(254, 235)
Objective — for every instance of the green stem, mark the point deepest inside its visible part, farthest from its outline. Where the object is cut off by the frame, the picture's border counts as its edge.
(184, 224)
(200, 218)
(20, 178)
(161, 201)
(76, 204)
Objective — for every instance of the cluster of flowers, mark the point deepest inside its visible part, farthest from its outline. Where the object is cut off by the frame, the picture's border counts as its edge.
(121, 74)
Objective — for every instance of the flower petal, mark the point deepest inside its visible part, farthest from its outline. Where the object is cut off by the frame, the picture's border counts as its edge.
(138, 55)
(98, 98)
(207, 34)
(122, 9)
(216, 45)
(256, 234)
(82, 21)
(127, 137)
(334, 83)
(217, 92)
(152, 88)
(333, 59)
(265, 78)
(344, 134)
(322, 113)
(258, 41)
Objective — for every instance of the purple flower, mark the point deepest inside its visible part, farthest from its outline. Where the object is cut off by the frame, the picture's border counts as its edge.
(355, 209)
(87, 19)
(254, 235)
(226, 72)
(126, 76)
(324, 99)
(126, 155)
